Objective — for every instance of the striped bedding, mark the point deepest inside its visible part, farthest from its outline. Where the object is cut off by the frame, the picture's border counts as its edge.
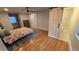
(17, 34)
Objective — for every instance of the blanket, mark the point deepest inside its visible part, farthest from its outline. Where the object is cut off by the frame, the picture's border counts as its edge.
(17, 34)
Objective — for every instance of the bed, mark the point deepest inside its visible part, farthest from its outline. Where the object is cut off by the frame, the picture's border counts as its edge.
(16, 34)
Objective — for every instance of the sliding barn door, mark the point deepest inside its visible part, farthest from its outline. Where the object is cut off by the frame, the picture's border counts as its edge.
(55, 18)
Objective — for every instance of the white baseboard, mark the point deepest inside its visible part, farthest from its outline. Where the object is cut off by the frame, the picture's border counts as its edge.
(43, 29)
(69, 45)
(52, 36)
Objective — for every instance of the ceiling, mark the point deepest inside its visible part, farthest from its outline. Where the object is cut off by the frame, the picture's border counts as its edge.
(22, 9)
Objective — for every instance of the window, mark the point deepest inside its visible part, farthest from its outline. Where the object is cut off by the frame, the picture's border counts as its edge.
(12, 19)
(77, 33)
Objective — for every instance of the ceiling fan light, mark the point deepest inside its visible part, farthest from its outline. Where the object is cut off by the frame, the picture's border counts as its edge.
(5, 9)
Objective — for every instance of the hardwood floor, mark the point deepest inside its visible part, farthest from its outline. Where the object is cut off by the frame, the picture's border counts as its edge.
(43, 43)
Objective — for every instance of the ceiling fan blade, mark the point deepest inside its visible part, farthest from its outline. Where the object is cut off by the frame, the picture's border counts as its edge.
(33, 11)
(29, 10)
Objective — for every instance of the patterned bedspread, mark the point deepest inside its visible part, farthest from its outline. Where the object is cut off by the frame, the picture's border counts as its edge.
(17, 34)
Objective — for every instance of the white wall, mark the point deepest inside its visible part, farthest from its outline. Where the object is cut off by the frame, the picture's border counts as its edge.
(43, 19)
(39, 20)
(74, 23)
(23, 16)
(70, 22)
(64, 28)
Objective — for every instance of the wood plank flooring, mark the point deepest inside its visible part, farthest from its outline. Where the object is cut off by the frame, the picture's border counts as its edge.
(43, 43)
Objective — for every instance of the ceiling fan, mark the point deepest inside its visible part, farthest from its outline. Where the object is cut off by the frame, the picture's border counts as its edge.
(29, 11)
(5, 10)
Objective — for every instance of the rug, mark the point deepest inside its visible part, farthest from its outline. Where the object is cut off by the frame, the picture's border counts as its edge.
(15, 45)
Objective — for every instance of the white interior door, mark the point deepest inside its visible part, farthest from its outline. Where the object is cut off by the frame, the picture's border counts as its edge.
(55, 18)
(33, 20)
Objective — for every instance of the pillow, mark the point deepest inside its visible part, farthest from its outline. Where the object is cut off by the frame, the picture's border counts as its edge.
(1, 25)
(2, 34)
(7, 32)
(0, 28)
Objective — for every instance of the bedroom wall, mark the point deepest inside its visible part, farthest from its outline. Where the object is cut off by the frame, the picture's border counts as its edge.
(23, 16)
(5, 21)
(43, 19)
(64, 28)
(39, 20)
(74, 23)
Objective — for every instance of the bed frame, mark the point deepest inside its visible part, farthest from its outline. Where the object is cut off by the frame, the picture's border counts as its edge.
(8, 45)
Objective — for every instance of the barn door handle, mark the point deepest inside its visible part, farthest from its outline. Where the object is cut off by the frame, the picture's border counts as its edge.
(58, 25)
